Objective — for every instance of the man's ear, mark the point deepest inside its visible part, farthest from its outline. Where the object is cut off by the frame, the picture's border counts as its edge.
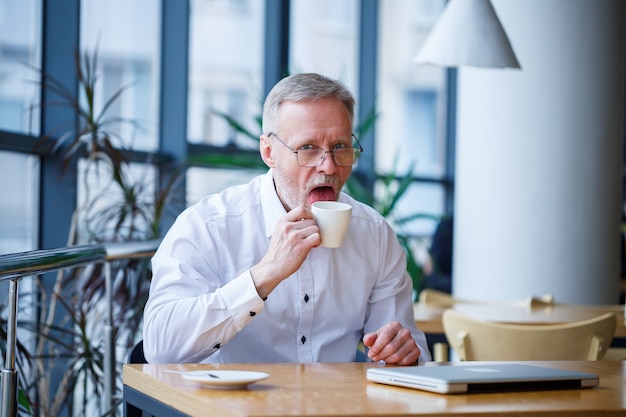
(265, 148)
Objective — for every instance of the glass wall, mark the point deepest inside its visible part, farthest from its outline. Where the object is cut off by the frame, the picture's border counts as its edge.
(212, 128)
(225, 82)
(18, 214)
(125, 38)
(120, 62)
(20, 56)
(225, 77)
(226, 41)
(411, 127)
(324, 39)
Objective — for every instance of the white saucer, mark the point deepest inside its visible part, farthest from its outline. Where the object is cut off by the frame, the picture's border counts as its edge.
(225, 379)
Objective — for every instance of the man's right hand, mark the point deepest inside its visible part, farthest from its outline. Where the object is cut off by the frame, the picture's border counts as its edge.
(294, 236)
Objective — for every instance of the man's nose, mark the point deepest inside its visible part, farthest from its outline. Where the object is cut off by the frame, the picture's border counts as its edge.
(327, 164)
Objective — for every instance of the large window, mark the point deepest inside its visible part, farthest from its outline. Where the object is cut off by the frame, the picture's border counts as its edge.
(225, 81)
(20, 53)
(18, 225)
(225, 70)
(120, 46)
(125, 37)
(411, 134)
(227, 73)
(20, 48)
(324, 38)
(228, 52)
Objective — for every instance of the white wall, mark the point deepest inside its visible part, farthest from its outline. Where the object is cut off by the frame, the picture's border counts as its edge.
(539, 157)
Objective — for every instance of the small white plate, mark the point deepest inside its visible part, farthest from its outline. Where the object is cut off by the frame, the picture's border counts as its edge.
(225, 379)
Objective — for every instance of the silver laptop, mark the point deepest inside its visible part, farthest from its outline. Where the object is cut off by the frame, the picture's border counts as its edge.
(468, 377)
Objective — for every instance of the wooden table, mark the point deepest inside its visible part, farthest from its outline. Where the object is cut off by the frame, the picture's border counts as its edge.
(341, 389)
(428, 317)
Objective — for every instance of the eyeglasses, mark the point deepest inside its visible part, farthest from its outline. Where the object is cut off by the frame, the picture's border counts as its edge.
(312, 157)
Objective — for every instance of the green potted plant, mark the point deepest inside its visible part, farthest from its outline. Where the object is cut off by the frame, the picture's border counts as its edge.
(66, 367)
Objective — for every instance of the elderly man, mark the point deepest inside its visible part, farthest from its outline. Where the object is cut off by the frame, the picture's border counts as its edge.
(241, 275)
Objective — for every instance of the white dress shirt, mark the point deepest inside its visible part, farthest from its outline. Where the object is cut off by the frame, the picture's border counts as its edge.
(204, 307)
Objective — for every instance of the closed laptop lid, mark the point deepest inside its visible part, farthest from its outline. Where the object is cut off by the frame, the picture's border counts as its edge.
(474, 377)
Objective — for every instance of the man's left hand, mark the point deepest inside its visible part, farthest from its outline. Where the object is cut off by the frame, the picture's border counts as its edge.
(393, 344)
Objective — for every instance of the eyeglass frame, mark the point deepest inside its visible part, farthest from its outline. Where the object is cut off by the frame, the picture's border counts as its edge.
(332, 152)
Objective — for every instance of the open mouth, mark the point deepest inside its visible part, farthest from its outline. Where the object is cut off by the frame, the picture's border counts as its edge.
(324, 193)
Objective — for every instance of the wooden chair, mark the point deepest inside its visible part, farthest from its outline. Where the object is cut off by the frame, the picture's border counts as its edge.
(491, 341)
(615, 354)
(436, 298)
(439, 299)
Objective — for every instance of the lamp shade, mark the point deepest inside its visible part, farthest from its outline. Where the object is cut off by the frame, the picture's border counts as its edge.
(468, 33)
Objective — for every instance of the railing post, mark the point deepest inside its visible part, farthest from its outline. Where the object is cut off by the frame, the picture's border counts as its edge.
(9, 374)
(109, 347)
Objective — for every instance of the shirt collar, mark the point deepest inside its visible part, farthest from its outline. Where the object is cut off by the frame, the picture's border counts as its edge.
(273, 209)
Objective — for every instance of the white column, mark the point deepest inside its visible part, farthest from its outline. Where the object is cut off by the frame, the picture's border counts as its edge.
(539, 157)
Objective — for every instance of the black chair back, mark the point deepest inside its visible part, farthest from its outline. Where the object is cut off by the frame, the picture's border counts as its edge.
(136, 354)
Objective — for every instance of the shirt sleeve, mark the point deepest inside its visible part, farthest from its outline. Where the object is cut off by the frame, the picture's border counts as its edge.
(191, 311)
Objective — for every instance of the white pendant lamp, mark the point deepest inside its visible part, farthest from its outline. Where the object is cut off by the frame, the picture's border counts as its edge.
(468, 33)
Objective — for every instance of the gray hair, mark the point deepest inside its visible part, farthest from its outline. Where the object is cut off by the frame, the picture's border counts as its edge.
(304, 87)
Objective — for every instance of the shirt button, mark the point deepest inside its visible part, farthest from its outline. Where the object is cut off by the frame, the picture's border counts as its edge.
(252, 313)
(306, 298)
(216, 346)
(303, 339)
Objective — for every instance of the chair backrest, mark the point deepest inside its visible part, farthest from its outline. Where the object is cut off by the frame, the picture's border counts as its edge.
(136, 354)
(429, 296)
(437, 298)
(480, 340)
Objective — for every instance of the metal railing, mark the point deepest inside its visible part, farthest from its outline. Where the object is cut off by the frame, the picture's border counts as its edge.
(15, 266)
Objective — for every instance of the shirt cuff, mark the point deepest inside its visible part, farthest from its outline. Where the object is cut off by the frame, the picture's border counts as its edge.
(242, 299)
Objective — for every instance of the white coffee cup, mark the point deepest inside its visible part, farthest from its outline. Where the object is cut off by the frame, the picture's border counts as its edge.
(333, 219)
